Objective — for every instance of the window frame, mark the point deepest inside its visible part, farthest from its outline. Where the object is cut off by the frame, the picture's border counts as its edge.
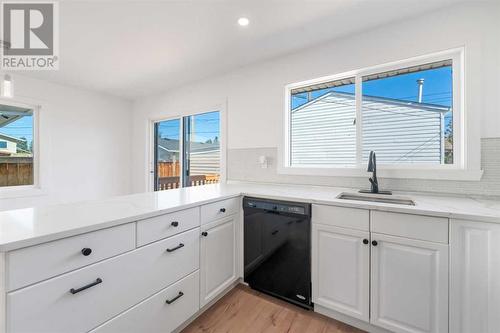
(150, 179)
(460, 169)
(36, 188)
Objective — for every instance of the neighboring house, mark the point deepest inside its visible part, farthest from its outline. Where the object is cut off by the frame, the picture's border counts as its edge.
(324, 130)
(204, 157)
(8, 145)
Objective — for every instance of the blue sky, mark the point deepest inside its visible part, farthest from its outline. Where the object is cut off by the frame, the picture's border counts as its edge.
(206, 127)
(437, 87)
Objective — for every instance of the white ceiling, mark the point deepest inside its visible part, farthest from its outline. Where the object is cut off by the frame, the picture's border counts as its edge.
(136, 48)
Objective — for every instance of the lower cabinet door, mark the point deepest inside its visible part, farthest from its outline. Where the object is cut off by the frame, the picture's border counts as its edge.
(340, 270)
(163, 312)
(217, 258)
(409, 285)
(475, 277)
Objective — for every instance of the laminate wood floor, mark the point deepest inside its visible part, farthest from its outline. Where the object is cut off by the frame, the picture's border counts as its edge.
(244, 310)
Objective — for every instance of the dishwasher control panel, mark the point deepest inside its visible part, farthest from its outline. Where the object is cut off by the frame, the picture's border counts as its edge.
(282, 207)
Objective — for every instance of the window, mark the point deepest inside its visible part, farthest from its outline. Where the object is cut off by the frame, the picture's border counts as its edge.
(187, 151)
(16, 146)
(408, 113)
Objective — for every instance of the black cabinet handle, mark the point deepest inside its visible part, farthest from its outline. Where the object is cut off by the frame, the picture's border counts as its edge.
(374, 243)
(274, 232)
(174, 224)
(222, 210)
(170, 301)
(365, 241)
(96, 282)
(86, 251)
(204, 233)
(175, 248)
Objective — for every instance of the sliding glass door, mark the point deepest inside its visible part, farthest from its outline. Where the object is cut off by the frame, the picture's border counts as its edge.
(167, 166)
(201, 149)
(187, 151)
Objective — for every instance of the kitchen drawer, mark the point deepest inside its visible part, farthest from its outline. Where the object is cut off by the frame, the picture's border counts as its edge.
(428, 228)
(126, 280)
(155, 314)
(344, 217)
(167, 225)
(39, 262)
(219, 209)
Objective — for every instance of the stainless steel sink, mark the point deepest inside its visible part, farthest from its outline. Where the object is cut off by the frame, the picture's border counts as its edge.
(391, 199)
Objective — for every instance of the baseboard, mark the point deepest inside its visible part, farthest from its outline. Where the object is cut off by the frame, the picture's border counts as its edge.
(207, 306)
(349, 320)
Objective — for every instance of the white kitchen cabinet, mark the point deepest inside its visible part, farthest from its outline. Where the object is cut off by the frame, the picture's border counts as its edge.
(409, 284)
(220, 209)
(475, 277)
(162, 312)
(340, 270)
(167, 225)
(36, 263)
(218, 258)
(82, 299)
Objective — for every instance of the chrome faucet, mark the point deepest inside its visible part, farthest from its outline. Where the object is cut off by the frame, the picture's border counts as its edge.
(372, 167)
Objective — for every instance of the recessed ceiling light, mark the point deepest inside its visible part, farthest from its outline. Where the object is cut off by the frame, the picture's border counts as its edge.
(243, 21)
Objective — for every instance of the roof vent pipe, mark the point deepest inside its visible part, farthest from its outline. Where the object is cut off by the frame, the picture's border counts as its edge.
(420, 83)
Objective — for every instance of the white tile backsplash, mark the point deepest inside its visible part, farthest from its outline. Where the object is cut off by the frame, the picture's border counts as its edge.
(243, 165)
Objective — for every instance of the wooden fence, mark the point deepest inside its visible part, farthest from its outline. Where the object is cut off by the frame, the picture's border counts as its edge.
(167, 183)
(16, 171)
(168, 169)
(168, 176)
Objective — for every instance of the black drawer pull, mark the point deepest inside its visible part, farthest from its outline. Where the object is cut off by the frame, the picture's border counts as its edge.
(374, 243)
(86, 251)
(175, 248)
(170, 301)
(204, 233)
(223, 210)
(174, 224)
(365, 241)
(274, 232)
(96, 282)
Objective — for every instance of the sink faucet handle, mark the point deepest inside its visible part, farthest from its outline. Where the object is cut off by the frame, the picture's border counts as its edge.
(374, 185)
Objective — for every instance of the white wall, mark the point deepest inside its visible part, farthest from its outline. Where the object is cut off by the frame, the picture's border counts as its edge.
(255, 94)
(84, 143)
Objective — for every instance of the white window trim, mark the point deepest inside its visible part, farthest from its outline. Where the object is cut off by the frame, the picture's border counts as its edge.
(221, 108)
(11, 192)
(462, 169)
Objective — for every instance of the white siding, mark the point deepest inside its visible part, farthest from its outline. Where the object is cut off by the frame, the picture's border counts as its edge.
(401, 134)
(10, 149)
(323, 131)
(205, 163)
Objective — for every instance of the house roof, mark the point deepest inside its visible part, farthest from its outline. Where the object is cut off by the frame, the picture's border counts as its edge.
(11, 138)
(170, 146)
(376, 99)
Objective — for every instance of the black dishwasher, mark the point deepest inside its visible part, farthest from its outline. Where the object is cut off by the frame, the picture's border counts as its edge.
(277, 249)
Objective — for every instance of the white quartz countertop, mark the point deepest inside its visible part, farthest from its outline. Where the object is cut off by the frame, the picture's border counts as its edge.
(29, 226)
